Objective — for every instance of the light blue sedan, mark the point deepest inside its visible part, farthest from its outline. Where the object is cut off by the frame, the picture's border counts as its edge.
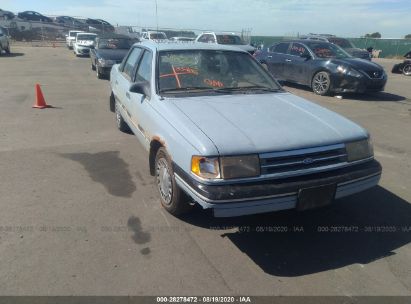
(221, 132)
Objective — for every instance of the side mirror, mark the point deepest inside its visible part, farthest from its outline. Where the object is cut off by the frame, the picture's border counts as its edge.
(142, 88)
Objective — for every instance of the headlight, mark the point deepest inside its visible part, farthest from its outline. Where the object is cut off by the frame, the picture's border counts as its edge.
(348, 71)
(106, 63)
(359, 150)
(226, 167)
(240, 166)
(205, 167)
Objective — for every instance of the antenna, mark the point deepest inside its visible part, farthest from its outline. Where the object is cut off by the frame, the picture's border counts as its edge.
(157, 14)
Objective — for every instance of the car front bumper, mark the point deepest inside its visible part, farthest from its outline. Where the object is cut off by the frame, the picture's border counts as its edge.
(82, 50)
(239, 199)
(350, 84)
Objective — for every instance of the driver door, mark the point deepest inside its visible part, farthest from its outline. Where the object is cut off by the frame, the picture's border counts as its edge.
(296, 66)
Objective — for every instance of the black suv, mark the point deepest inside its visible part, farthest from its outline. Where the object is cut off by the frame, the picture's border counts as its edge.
(323, 66)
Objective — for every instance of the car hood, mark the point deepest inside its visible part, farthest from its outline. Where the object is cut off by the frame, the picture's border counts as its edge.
(85, 42)
(258, 123)
(111, 54)
(359, 64)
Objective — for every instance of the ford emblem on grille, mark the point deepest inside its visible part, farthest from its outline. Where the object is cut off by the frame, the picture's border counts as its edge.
(308, 161)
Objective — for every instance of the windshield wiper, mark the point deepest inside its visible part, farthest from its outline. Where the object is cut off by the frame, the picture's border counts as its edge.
(186, 89)
(248, 88)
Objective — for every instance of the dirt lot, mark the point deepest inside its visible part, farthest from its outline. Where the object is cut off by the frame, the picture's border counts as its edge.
(80, 214)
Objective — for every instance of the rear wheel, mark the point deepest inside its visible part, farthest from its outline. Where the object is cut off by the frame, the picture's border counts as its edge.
(406, 70)
(8, 50)
(172, 197)
(321, 83)
(121, 123)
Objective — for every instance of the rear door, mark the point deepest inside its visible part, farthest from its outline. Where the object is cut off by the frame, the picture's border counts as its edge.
(275, 59)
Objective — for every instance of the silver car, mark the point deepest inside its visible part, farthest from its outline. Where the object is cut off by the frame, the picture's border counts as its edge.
(221, 132)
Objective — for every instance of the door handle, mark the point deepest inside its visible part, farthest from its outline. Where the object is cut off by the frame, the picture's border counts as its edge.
(128, 95)
(270, 57)
(288, 60)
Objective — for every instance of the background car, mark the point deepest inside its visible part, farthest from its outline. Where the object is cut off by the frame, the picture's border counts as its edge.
(4, 41)
(345, 44)
(109, 49)
(99, 25)
(6, 15)
(225, 39)
(71, 38)
(403, 67)
(84, 42)
(152, 35)
(70, 22)
(323, 66)
(33, 16)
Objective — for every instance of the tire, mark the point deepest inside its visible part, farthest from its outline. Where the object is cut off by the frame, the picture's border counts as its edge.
(406, 70)
(321, 83)
(121, 123)
(112, 103)
(172, 197)
(93, 67)
(8, 52)
(99, 75)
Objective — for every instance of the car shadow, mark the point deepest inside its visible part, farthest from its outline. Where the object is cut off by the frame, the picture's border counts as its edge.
(371, 96)
(356, 230)
(12, 55)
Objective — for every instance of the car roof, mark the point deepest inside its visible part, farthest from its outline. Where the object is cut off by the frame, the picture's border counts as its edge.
(112, 35)
(221, 33)
(85, 33)
(303, 41)
(170, 46)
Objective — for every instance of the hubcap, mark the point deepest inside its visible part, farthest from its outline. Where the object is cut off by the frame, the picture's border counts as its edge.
(321, 83)
(164, 183)
(407, 70)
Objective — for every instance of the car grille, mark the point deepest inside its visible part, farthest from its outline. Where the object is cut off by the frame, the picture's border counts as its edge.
(374, 74)
(302, 161)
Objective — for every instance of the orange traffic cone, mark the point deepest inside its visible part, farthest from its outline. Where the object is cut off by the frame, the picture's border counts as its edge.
(40, 102)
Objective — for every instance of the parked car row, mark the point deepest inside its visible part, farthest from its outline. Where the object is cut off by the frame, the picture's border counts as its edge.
(93, 25)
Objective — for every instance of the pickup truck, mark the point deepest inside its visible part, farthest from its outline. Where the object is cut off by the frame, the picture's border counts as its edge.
(221, 132)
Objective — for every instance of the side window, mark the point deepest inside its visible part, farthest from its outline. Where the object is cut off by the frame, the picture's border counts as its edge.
(131, 62)
(144, 69)
(298, 49)
(281, 48)
(203, 38)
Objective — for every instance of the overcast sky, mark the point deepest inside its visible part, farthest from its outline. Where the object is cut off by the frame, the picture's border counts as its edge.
(350, 18)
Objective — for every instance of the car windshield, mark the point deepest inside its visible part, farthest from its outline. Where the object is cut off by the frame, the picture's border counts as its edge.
(211, 70)
(114, 43)
(73, 34)
(327, 50)
(86, 37)
(156, 36)
(229, 39)
(344, 43)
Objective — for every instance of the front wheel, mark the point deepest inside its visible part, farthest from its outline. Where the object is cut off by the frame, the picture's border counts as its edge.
(321, 83)
(406, 70)
(172, 197)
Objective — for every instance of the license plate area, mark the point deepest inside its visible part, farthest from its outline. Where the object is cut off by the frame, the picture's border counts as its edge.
(316, 197)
